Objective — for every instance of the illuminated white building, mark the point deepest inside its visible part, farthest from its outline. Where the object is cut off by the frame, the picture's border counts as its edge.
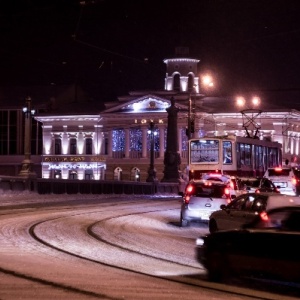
(76, 138)
(114, 143)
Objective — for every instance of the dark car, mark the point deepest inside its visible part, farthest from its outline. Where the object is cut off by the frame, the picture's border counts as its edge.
(268, 247)
(259, 184)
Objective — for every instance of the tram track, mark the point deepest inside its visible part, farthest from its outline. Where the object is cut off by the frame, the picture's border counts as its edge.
(196, 280)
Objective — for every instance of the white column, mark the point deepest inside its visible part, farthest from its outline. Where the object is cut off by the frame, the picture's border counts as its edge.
(127, 142)
(161, 141)
(144, 142)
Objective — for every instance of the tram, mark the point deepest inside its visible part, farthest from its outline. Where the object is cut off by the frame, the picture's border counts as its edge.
(234, 155)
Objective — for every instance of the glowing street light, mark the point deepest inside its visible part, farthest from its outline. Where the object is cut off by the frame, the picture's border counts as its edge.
(207, 80)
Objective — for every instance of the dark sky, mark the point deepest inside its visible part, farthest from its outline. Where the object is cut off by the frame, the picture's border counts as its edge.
(114, 46)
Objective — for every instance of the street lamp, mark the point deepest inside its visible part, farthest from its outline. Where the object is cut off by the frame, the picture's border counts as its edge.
(250, 115)
(151, 171)
(26, 169)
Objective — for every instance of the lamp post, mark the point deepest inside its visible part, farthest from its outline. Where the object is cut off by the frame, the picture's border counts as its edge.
(250, 116)
(151, 171)
(26, 169)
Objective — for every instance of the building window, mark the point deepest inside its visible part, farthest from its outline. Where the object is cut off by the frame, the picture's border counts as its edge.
(72, 174)
(88, 175)
(118, 140)
(88, 146)
(57, 146)
(73, 146)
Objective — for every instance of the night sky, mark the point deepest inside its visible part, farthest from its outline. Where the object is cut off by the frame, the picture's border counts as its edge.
(112, 47)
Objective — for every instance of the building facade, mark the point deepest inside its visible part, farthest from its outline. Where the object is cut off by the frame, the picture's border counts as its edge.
(114, 143)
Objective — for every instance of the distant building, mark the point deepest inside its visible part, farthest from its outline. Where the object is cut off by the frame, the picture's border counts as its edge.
(73, 137)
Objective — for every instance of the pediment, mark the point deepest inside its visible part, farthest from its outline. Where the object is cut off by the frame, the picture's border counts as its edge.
(146, 104)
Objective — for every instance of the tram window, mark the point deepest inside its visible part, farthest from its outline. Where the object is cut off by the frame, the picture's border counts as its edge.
(245, 154)
(204, 151)
(227, 152)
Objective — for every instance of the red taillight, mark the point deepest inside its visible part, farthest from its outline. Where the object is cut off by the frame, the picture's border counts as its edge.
(294, 181)
(264, 216)
(208, 183)
(187, 199)
(278, 169)
(257, 191)
(277, 190)
(227, 194)
(189, 188)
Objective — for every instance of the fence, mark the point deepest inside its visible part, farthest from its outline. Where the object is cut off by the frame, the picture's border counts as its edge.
(63, 186)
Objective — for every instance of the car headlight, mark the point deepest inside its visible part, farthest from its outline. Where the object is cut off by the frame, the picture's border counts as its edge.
(199, 241)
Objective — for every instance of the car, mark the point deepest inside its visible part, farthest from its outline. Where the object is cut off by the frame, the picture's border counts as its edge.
(245, 208)
(285, 178)
(259, 184)
(267, 247)
(201, 198)
(234, 184)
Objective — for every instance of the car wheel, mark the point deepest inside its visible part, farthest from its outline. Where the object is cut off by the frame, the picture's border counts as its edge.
(183, 222)
(217, 269)
(213, 227)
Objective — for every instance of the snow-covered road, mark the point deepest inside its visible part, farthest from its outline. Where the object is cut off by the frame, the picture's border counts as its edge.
(99, 246)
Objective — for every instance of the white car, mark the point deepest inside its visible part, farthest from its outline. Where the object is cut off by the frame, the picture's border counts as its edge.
(245, 208)
(284, 178)
(201, 198)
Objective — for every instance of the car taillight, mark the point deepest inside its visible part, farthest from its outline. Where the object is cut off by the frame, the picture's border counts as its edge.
(277, 190)
(227, 194)
(189, 188)
(187, 199)
(294, 181)
(257, 191)
(264, 216)
(232, 185)
(208, 183)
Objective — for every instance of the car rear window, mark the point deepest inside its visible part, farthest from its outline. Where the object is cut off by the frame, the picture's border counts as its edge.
(213, 191)
(282, 172)
(252, 183)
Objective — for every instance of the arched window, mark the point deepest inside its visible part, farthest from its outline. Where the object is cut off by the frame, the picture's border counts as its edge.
(191, 83)
(176, 83)
(118, 174)
(135, 174)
